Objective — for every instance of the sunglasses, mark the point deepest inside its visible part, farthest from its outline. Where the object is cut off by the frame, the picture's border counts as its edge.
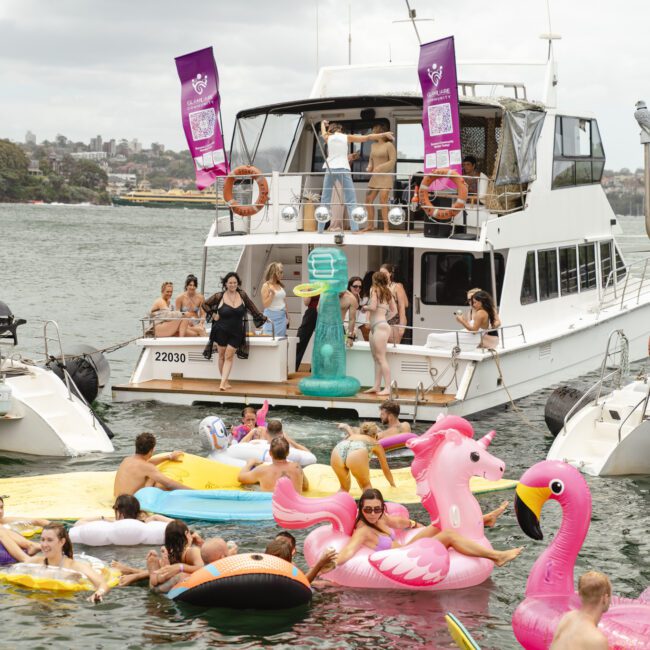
(377, 510)
(356, 286)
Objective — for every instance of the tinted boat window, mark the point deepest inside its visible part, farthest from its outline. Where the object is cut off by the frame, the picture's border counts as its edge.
(587, 260)
(568, 270)
(529, 284)
(547, 266)
(606, 263)
(621, 271)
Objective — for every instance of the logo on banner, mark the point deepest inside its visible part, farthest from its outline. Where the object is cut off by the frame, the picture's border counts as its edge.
(200, 83)
(435, 74)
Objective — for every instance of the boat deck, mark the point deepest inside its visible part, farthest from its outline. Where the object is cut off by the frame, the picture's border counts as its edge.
(186, 391)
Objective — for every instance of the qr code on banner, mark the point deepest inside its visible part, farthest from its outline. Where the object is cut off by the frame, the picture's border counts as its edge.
(202, 123)
(440, 119)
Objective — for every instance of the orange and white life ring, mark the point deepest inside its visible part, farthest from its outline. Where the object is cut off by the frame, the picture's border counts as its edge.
(262, 187)
(443, 214)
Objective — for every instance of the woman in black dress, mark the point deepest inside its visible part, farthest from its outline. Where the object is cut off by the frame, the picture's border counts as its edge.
(229, 308)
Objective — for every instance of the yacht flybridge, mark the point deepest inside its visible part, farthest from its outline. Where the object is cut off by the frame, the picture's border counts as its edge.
(538, 234)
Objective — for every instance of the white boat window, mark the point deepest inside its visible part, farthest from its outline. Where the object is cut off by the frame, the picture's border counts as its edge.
(529, 285)
(547, 268)
(579, 157)
(446, 277)
(410, 145)
(587, 260)
(568, 270)
(606, 264)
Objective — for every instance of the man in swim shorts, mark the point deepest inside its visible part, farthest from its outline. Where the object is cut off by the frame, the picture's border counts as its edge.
(389, 417)
(271, 431)
(268, 475)
(578, 629)
(140, 470)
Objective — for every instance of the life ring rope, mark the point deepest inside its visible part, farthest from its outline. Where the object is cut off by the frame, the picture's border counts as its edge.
(443, 214)
(262, 188)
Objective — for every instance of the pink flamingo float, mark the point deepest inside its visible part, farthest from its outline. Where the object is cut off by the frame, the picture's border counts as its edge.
(446, 456)
(549, 591)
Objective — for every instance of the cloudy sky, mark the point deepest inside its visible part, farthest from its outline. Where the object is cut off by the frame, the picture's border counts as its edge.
(83, 68)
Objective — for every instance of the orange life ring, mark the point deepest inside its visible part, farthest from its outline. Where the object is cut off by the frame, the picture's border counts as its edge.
(443, 214)
(262, 187)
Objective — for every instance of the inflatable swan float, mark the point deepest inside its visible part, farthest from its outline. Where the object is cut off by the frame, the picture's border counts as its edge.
(446, 457)
(550, 591)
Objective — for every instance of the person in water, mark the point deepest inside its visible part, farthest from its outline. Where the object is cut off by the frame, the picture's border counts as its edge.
(578, 629)
(389, 411)
(58, 552)
(248, 423)
(126, 506)
(375, 528)
(270, 432)
(140, 470)
(267, 475)
(7, 525)
(352, 456)
(283, 545)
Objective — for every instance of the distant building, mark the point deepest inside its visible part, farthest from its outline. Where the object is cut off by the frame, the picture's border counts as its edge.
(30, 138)
(157, 148)
(96, 143)
(34, 168)
(135, 146)
(110, 147)
(89, 155)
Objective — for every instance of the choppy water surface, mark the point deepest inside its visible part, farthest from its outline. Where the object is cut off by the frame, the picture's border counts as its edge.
(96, 271)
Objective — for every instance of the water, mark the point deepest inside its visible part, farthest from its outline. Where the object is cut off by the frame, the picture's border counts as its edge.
(96, 271)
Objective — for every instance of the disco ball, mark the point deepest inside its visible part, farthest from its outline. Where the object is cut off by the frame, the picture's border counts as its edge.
(359, 215)
(288, 213)
(396, 216)
(322, 214)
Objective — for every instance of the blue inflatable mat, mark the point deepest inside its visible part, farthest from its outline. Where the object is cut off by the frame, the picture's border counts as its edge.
(207, 505)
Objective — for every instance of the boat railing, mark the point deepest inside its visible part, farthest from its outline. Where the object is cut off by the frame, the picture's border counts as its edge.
(295, 197)
(148, 324)
(644, 401)
(632, 290)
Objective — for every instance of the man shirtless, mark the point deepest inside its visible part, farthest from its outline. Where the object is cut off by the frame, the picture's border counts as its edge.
(271, 431)
(389, 417)
(267, 475)
(578, 630)
(140, 470)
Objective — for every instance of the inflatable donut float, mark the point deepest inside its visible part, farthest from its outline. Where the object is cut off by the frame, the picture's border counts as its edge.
(245, 581)
(124, 532)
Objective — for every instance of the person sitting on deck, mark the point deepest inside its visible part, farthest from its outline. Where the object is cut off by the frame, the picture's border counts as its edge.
(139, 470)
(270, 432)
(267, 475)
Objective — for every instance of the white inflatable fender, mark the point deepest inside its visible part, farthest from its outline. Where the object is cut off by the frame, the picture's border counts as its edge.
(124, 532)
(259, 450)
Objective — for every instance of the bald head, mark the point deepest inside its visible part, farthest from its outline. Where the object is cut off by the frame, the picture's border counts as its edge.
(213, 550)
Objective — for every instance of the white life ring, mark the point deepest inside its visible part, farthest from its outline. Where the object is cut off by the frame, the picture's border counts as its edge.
(124, 532)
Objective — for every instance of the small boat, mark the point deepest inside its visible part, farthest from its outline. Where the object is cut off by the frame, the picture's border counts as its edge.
(43, 411)
(605, 435)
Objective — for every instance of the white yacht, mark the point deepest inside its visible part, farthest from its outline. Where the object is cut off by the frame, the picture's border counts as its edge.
(539, 235)
(41, 413)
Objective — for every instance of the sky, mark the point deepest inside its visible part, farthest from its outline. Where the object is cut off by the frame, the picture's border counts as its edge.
(83, 68)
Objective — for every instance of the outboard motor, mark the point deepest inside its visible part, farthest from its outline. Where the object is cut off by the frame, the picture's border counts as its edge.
(9, 324)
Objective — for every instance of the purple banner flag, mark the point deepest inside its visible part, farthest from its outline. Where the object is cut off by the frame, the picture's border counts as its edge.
(440, 120)
(201, 118)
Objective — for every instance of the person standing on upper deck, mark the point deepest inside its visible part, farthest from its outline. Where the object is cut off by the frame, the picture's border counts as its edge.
(383, 157)
(337, 165)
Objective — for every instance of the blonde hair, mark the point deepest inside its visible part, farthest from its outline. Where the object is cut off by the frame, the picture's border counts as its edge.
(273, 273)
(166, 284)
(471, 292)
(592, 586)
(369, 429)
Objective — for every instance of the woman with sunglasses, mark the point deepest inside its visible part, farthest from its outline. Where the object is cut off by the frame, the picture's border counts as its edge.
(352, 456)
(355, 284)
(377, 530)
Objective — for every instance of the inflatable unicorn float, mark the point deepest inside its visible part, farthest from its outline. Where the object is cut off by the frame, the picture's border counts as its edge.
(446, 456)
(550, 589)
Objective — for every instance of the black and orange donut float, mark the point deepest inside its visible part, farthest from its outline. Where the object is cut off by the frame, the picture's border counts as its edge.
(245, 581)
(443, 214)
(262, 189)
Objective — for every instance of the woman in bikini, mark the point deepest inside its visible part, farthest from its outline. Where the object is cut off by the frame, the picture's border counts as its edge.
(375, 529)
(381, 308)
(229, 329)
(398, 321)
(352, 455)
(162, 309)
(189, 303)
(483, 316)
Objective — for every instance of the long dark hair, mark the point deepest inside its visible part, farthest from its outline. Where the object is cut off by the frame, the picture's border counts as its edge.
(367, 495)
(224, 280)
(191, 278)
(175, 540)
(488, 304)
(366, 283)
(351, 281)
(62, 533)
(128, 506)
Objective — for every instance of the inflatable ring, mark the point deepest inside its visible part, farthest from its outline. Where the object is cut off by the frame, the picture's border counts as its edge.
(246, 581)
(443, 214)
(47, 578)
(309, 289)
(262, 187)
(24, 528)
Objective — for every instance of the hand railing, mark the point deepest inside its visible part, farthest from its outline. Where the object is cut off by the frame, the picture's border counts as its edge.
(644, 401)
(152, 320)
(634, 287)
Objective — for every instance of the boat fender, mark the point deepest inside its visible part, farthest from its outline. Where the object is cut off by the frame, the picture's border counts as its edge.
(558, 405)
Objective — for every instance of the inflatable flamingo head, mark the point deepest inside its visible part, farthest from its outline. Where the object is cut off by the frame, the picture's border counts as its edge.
(550, 479)
(447, 459)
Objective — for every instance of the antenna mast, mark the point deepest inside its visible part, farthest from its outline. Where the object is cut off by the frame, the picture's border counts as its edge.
(412, 19)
